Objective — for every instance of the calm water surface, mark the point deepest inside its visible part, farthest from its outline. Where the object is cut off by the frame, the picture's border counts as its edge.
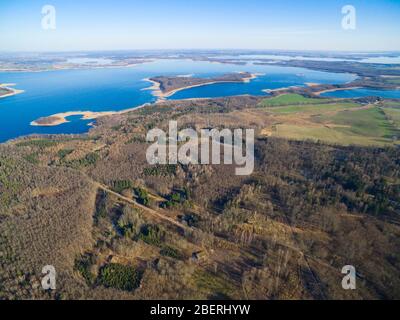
(113, 89)
(359, 93)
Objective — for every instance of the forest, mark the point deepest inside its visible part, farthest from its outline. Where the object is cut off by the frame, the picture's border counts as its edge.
(115, 227)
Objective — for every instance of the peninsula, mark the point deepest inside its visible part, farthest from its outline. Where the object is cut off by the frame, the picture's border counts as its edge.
(61, 118)
(7, 91)
(164, 87)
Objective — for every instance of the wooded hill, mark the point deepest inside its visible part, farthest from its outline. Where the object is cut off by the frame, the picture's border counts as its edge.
(117, 228)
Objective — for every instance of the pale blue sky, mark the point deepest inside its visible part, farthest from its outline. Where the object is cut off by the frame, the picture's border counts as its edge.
(195, 24)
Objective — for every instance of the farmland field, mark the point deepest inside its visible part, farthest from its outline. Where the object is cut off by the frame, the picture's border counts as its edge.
(290, 99)
(344, 123)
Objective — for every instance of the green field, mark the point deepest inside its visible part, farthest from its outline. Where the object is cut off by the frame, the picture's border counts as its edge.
(394, 81)
(393, 115)
(332, 121)
(343, 123)
(329, 135)
(369, 123)
(312, 108)
(391, 104)
(361, 127)
(291, 99)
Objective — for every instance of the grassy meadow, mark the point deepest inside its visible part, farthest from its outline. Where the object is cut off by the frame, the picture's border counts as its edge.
(333, 121)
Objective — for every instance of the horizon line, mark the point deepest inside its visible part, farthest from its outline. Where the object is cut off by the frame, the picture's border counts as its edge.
(200, 49)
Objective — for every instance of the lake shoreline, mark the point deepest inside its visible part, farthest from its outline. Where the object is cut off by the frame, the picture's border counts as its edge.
(162, 96)
(73, 67)
(59, 113)
(12, 91)
(61, 118)
(318, 93)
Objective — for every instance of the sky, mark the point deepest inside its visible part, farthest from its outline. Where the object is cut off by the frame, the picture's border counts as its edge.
(86, 25)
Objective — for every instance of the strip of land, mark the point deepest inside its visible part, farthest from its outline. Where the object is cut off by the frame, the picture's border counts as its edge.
(335, 89)
(7, 91)
(60, 118)
(164, 87)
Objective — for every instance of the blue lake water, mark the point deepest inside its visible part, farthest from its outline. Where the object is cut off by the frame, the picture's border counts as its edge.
(359, 93)
(113, 89)
(272, 77)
